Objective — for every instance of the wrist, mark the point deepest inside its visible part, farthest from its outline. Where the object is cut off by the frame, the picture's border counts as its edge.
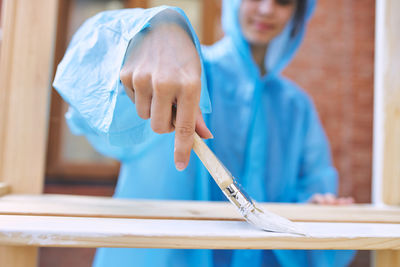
(168, 19)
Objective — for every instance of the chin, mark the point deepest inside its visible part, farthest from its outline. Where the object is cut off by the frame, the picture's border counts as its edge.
(259, 41)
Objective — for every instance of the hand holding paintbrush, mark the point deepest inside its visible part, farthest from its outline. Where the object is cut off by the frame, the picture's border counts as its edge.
(160, 92)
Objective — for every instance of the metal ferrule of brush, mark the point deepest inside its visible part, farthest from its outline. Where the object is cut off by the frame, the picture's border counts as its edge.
(239, 198)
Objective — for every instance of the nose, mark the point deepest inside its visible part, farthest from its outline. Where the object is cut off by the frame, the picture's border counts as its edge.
(266, 7)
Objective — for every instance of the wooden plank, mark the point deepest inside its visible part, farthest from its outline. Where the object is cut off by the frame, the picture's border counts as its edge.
(387, 114)
(79, 232)
(391, 98)
(4, 189)
(88, 206)
(25, 66)
(29, 31)
(18, 256)
(386, 258)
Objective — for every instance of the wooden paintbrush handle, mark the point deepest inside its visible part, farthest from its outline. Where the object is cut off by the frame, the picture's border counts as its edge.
(219, 173)
(217, 170)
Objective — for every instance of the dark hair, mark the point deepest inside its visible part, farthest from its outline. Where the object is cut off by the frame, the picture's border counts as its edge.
(299, 17)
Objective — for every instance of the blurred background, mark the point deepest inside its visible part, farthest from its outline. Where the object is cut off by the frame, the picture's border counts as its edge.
(334, 65)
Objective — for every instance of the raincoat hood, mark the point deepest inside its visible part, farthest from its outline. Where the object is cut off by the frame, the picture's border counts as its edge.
(281, 49)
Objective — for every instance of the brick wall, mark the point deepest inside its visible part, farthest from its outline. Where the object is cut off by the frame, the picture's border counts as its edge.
(335, 66)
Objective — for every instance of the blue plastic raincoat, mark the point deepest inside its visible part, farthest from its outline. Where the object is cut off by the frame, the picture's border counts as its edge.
(266, 131)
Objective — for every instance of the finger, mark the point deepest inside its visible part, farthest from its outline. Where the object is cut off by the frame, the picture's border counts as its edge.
(346, 200)
(184, 129)
(317, 199)
(126, 79)
(130, 92)
(161, 114)
(143, 104)
(329, 199)
(201, 127)
(142, 87)
(342, 201)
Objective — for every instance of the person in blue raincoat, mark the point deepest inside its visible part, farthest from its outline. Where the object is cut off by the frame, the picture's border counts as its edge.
(126, 71)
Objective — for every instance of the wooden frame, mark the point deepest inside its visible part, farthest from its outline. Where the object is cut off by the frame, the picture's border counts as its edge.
(386, 180)
(55, 231)
(25, 67)
(67, 221)
(105, 207)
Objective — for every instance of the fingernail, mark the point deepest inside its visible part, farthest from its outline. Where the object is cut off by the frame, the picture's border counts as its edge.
(180, 166)
(211, 136)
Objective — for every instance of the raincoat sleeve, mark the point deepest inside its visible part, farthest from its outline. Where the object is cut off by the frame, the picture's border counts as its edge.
(88, 78)
(317, 174)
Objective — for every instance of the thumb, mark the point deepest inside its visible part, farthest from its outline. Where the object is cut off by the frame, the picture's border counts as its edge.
(201, 127)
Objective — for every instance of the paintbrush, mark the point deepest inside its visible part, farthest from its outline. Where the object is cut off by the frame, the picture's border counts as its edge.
(232, 190)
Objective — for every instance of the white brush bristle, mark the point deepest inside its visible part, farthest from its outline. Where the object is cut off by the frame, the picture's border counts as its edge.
(269, 221)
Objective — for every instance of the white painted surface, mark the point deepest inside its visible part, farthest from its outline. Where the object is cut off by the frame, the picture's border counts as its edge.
(97, 232)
